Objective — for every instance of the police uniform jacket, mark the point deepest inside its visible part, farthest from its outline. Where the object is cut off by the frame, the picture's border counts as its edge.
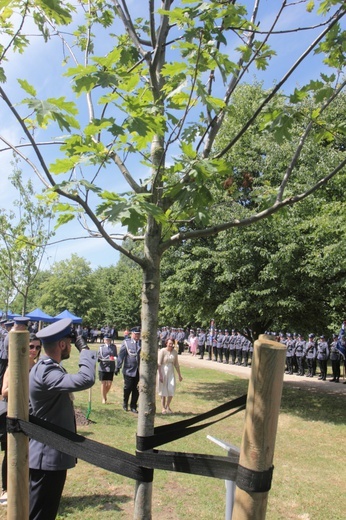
(219, 340)
(310, 350)
(106, 357)
(50, 388)
(334, 352)
(201, 339)
(4, 348)
(300, 348)
(322, 350)
(290, 348)
(129, 357)
(232, 342)
(246, 345)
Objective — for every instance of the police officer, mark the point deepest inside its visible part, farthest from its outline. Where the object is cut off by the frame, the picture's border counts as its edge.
(232, 347)
(180, 340)
(164, 336)
(50, 388)
(106, 357)
(209, 342)
(335, 358)
(245, 351)
(128, 358)
(225, 346)
(239, 348)
(201, 343)
(299, 351)
(322, 357)
(289, 353)
(310, 355)
(219, 347)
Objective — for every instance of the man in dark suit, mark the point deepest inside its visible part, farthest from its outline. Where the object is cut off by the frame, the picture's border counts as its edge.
(50, 388)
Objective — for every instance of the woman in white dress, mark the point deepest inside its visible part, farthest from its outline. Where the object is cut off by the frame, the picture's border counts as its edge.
(167, 362)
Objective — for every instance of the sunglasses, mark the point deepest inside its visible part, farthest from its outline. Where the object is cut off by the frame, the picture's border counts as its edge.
(36, 347)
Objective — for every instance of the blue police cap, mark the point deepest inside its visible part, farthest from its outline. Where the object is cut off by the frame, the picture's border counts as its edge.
(137, 330)
(9, 323)
(55, 331)
(21, 320)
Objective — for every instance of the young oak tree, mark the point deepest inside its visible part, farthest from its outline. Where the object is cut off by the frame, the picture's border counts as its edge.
(24, 234)
(157, 79)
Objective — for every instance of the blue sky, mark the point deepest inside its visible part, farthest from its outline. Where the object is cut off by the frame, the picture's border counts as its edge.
(38, 66)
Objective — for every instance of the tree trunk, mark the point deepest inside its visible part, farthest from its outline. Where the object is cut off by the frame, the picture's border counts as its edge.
(148, 364)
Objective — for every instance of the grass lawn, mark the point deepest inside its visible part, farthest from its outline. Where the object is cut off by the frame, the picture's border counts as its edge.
(309, 481)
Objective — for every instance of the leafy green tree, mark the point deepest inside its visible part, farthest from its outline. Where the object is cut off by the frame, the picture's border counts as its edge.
(143, 156)
(69, 286)
(283, 273)
(119, 290)
(24, 234)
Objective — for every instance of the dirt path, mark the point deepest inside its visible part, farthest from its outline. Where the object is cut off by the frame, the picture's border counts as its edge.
(244, 372)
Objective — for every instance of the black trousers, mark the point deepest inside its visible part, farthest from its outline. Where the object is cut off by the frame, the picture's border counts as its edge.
(300, 361)
(336, 369)
(131, 388)
(323, 368)
(46, 488)
(233, 355)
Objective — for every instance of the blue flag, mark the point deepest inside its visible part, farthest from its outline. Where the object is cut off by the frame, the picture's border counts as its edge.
(341, 344)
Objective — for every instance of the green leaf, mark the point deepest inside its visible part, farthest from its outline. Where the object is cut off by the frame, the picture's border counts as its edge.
(29, 89)
(63, 219)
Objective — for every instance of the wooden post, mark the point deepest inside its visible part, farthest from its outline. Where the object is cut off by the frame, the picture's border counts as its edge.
(261, 419)
(18, 407)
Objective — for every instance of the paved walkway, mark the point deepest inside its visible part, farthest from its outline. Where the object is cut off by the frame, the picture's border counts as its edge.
(188, 360)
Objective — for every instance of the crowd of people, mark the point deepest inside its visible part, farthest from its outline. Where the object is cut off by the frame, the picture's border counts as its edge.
(232, 347)
(50, 385)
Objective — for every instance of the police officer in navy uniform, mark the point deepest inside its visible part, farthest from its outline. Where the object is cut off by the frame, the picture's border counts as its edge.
(50, 393)
(322, 357)
(128, 358)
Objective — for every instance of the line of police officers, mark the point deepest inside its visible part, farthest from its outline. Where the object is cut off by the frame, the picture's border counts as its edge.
(219, 345)
(302, 356)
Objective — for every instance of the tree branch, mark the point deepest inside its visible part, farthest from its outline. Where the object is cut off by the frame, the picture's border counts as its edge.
(214, 230)
(301, 144)
(337, 17)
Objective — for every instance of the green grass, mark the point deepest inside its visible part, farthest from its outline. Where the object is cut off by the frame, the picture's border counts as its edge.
(309, 475)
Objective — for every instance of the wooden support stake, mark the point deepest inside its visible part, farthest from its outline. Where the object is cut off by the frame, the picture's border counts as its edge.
(18, 407)
(261, 419)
